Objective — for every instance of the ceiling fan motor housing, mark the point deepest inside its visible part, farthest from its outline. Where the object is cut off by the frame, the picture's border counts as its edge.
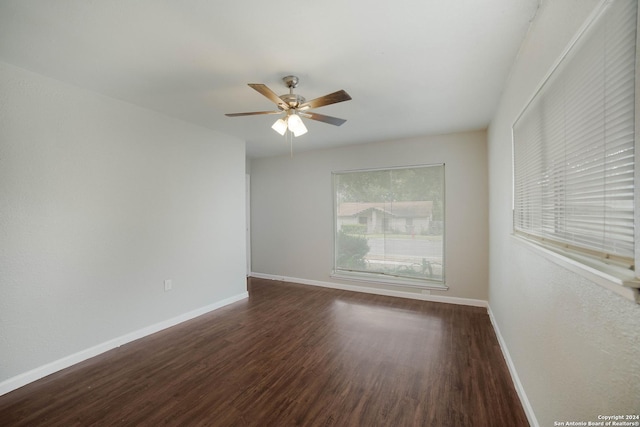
(292, 100)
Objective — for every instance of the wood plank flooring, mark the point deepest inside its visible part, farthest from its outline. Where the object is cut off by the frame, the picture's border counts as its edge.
(290, 355)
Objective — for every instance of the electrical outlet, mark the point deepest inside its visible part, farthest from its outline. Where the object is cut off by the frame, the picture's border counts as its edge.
(168, 285)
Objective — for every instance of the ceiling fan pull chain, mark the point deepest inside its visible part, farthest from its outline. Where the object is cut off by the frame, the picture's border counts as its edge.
(291, 144)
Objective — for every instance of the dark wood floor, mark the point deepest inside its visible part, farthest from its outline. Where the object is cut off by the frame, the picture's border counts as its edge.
(290, 355)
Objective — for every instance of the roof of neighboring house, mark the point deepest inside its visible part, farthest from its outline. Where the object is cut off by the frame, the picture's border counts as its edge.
(398, 209)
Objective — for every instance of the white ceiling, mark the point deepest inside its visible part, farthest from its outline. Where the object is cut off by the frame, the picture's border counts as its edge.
(412, 67)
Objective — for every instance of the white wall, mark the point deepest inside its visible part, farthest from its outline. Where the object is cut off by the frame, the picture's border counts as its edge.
(292, 208)
(100, 201)
(574, 344)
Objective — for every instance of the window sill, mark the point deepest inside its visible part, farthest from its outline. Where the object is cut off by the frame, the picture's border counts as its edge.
(617, 279)
(387, 280)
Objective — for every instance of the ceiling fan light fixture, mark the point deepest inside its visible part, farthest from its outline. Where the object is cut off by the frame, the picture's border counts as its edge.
(295, 125)
(280, 126)
(300, 131)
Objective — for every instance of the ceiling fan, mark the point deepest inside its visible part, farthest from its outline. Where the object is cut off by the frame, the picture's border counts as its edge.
(295, 106)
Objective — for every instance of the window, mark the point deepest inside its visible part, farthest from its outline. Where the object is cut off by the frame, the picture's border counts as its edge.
(401, 241)
(574, 146)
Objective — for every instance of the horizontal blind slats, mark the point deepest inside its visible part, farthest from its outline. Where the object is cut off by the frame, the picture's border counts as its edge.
(574, 148)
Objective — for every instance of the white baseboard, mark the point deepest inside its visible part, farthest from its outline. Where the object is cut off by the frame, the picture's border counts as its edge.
(514, 374)
(435, 298)
(376, 291)
(60, 364)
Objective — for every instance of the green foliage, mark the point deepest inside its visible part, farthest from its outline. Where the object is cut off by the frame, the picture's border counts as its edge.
(354, 228)
(425, 183)
(351, 251)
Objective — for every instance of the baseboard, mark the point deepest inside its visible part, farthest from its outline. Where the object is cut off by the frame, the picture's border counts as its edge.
(514, 374)
(60, 364)
(376, 291)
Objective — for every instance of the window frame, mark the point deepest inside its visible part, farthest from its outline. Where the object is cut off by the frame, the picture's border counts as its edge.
(377, 278)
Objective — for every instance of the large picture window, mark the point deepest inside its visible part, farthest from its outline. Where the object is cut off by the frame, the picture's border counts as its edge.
(574, 145)
(389, 225)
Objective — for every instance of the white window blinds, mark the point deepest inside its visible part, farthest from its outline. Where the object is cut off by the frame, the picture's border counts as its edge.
(574, 144)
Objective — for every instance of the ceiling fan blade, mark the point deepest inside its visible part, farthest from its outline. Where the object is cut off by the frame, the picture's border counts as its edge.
(322, 118)
(332, 98)
(264, 90)
(253, 113)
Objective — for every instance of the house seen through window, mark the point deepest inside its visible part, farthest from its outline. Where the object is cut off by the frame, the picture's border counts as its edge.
(389, 225)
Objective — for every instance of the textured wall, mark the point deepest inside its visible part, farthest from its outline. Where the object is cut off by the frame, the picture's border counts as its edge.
(574, 344)
(292, 207)
(100, 201)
